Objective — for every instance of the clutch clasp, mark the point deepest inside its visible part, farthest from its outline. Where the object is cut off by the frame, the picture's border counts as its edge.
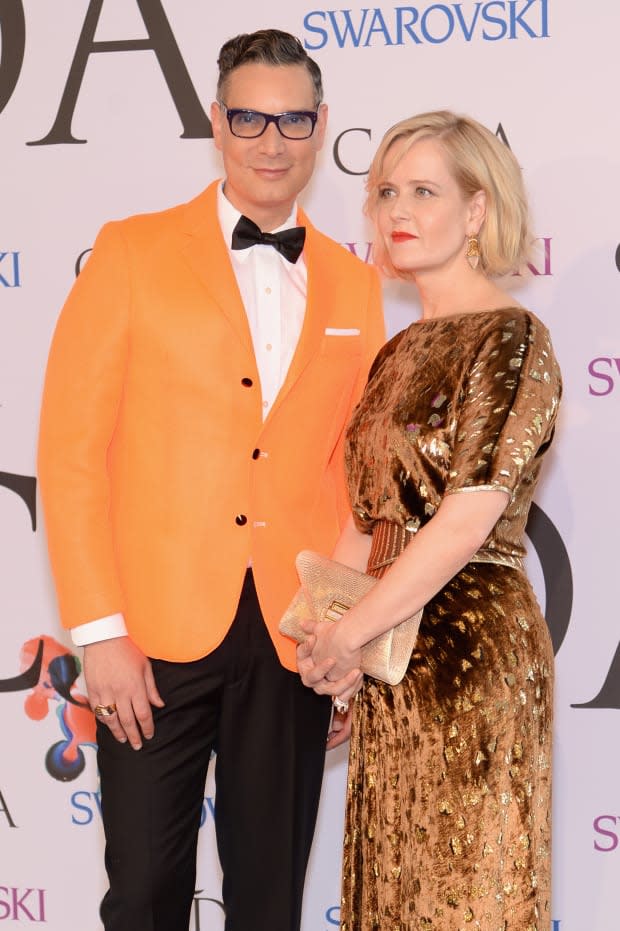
(335, 611)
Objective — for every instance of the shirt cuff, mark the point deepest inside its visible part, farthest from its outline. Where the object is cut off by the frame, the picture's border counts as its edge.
(105, 628)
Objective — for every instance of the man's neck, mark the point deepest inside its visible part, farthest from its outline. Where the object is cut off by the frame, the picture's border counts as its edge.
(267, 220)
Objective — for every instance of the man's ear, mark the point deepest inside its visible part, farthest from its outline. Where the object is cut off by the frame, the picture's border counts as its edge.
(321, 126)
(216, 122)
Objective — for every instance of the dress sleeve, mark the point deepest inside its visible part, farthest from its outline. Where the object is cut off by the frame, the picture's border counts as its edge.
(507, 409)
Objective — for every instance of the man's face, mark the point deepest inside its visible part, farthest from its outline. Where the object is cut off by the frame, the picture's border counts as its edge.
(265, 175)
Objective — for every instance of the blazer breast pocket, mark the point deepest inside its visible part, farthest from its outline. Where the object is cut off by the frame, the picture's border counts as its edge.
(343, 341)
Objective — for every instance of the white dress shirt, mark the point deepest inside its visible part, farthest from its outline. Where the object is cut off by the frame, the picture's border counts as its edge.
(273, 292)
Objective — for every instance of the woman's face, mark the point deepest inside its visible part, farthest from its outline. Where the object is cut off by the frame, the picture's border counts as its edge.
(423, 217)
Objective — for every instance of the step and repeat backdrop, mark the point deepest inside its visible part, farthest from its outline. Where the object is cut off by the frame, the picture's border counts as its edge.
(103, 113)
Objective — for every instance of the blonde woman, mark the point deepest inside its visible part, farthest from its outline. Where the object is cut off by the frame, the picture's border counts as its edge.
(448, 811)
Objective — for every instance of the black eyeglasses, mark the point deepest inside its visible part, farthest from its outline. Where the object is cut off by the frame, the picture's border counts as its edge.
(249, 124)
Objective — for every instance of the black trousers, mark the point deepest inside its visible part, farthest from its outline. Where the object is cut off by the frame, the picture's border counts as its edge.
(269, 733)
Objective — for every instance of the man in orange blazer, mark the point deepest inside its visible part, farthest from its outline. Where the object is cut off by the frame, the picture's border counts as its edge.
(200, 378)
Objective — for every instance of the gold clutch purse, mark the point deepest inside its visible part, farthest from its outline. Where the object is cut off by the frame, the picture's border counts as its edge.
(328, 590)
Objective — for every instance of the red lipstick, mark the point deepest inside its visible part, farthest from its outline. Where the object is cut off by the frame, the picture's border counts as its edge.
(399, 236)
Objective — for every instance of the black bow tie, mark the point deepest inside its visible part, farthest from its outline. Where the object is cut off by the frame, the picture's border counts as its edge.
(289, 243)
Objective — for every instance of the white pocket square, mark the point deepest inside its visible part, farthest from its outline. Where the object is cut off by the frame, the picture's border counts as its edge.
(341, 331)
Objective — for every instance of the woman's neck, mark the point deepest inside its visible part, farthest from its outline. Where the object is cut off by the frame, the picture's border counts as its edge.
(468, 292)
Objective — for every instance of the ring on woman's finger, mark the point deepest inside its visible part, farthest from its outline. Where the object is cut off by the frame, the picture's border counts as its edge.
(340, 706)
(104, 711)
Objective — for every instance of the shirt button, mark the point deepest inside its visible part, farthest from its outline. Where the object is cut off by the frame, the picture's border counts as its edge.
(256, 454)
(268, 347)
(267, 290)
(265, 403)
(247, 382)
(240, 520)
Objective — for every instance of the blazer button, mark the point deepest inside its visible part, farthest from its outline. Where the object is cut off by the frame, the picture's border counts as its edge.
(247, 382)
(256, 454)
(240, 520)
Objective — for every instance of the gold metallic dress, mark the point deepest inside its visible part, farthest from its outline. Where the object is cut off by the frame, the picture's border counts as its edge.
(449, 787)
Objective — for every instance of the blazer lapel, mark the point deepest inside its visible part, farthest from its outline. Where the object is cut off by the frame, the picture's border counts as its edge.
(207, 255)
(317, 310)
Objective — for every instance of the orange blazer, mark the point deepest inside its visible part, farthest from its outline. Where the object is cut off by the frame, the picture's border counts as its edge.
(159, 479)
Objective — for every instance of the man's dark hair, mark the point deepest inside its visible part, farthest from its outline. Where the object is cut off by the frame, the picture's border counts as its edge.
(267, 47)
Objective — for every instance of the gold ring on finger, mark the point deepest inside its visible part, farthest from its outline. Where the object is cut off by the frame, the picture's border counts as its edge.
(104, 711)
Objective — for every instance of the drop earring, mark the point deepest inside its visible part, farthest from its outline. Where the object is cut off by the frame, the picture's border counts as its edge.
(473, 251)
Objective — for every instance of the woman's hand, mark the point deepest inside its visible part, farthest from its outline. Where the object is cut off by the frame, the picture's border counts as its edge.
(332, 642)
(323, 675)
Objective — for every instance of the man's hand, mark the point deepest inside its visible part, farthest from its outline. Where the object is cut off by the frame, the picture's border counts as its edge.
(118, 673)
(316, 677)
(340, 729)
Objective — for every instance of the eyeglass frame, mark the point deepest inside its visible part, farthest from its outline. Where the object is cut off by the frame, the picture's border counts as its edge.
(231, 112)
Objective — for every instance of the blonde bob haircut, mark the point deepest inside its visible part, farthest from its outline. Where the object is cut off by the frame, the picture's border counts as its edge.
(479, 162)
